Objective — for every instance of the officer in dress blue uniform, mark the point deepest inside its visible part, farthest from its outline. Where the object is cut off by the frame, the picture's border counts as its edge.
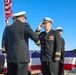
(16, 45)
(4, 35)
(61, 62)
(50, 47)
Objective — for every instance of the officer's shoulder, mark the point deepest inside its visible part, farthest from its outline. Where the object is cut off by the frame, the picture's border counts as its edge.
(6, 28)
(26, 24)
(55, 31)
(62, 38)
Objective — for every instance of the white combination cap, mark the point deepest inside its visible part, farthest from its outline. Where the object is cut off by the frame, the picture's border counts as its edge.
(59, 29)
(16, 15)
(47, 19)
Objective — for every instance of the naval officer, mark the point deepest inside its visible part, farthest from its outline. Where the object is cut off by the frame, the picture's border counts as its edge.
(16, 45)
(61, 62)
(50, 47)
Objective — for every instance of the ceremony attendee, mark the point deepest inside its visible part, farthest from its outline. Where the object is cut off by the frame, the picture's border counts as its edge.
(61, 62)
(16, 45)
(4, 35)
(50, 47)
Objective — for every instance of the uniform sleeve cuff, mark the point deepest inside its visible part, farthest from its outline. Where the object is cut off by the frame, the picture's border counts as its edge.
(3, 48)
(58, 54)
(37, 31)
(38, 42)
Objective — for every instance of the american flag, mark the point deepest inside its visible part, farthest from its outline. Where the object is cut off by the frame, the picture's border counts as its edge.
(35, 63)
(8, 11)
(69, 60)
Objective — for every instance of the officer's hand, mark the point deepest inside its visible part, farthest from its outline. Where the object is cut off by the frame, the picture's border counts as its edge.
(39, 27)
(4, 54)
(57, 58)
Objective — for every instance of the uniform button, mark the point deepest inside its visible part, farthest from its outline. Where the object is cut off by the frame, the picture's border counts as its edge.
(42, 42)
(45, 50)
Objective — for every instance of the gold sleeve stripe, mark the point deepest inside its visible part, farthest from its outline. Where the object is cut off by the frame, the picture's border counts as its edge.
(37, 32)
(58, 53)
(3, 48)
(38, 42)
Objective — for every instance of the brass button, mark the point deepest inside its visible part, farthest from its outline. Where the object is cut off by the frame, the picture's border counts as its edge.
(45, 50)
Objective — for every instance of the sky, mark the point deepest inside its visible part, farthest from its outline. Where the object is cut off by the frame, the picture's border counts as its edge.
(63, 12)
